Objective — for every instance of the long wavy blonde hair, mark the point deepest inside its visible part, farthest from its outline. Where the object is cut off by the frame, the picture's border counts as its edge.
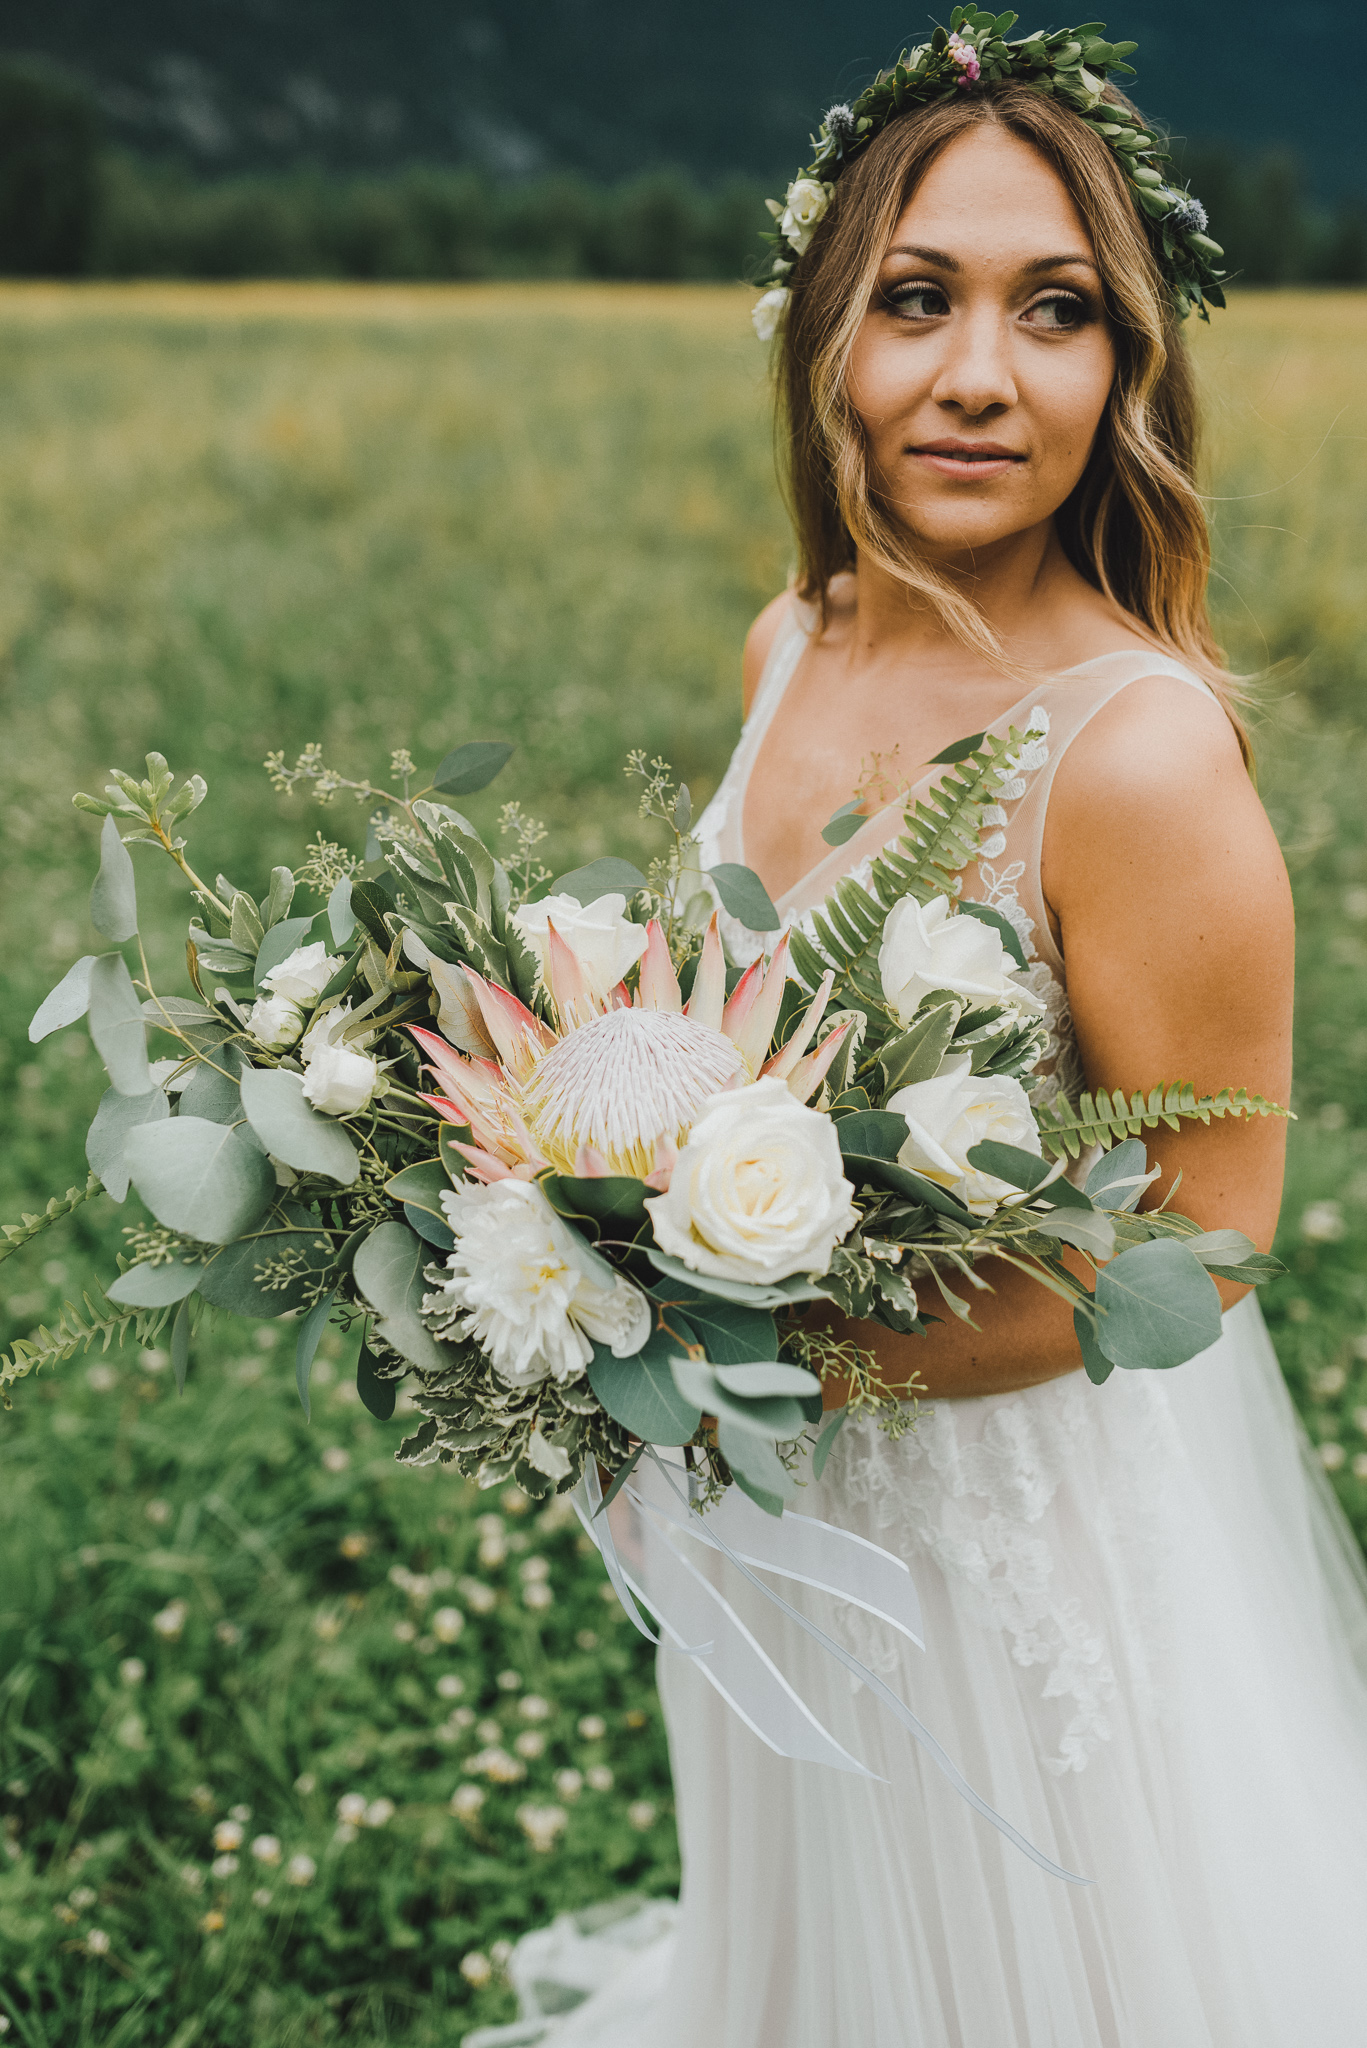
(1134, 526)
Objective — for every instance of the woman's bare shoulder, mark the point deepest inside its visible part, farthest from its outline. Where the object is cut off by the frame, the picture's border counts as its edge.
(758, 642)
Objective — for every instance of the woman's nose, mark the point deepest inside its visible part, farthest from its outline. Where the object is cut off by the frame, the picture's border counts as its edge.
(976, 376)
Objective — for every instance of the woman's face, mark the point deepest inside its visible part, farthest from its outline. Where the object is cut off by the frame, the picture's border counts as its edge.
(983, 366)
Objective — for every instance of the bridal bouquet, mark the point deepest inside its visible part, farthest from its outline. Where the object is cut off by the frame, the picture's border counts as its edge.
(581, 1180)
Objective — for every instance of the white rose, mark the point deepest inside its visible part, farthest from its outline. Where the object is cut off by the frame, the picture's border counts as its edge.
(948, 1116)
(275, 1022)
(759, 1191)
(925, 947)
(519, 1283)
(803, 205)
(603, 941)
(338, 1081)
(769, 310)
(327, 1029)
(303, 974)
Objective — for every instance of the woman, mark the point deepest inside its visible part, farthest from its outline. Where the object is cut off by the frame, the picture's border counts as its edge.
(1135, 1605)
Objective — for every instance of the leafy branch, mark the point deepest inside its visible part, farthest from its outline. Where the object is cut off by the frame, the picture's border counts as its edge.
(75, 1331)
(17, 1235)
(1103, 1119)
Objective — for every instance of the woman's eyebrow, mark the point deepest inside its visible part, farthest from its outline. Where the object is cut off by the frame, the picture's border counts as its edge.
(940, 259)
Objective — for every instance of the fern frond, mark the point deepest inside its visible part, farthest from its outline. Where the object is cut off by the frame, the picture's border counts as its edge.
(941, 836)
(76, 1331)
(16, 1235)
(1104, 1119)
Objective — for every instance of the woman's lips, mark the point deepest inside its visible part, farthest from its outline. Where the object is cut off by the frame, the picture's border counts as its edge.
(978, 461)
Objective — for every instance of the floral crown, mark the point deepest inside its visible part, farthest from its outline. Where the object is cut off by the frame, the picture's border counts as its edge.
(1073, 64)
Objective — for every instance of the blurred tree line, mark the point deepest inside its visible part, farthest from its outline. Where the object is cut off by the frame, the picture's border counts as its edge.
(71, 208)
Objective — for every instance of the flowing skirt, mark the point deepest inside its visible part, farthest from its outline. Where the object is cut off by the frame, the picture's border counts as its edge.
(1146, 1646)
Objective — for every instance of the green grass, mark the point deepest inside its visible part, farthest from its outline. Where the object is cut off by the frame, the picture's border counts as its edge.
(239, 519)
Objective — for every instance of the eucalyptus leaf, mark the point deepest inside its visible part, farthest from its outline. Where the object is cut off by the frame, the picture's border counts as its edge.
(830, 1431)
(756, 1379)
(607, 877)
(64, 1004)
(279, 942)
(433, 1230)
(292, 1130)
(155, 1286)
(280, 898)
(114, 896)
(212, 1091)
(205, 1179)
(233, 1279)
(116, 1116)
(341, 923)
(1159, 1306)
(1097, 1366)
(1114, 1182)
(421, 1187)
(380, 1396)
(959, 751)
(844, 823)
(198, 1026)
(388, 1270)
(729, 1333)
(757, 1467)
(742, 1291)
(744, 896)
(641, 1394)
(1005, 930)
(116, 1025)
(311, 1329)
(1088, 1229)
(775, 1416)
(471, 767)
(1221, 1247)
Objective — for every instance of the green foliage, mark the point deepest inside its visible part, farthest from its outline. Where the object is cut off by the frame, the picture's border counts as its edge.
(49, 173)
(1067, 1131)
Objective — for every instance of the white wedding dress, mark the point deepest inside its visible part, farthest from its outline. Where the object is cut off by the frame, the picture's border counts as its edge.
(1146, 1646)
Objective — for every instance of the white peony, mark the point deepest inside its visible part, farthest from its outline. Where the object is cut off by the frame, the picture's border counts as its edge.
(803, 205)
(603, 941)
(759, 1191)
(520, 1275)
(303, 974)
(338, 1081)
(926, 947)
(275, 1022)
(767, 311)
(948, 1116)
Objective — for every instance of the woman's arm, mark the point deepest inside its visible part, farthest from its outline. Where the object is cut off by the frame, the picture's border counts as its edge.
(1174, 914)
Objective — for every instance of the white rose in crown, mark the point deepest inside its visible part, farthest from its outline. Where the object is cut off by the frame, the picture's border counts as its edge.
(303, 974)
(604, 942)
(528, 1291)
(768, 310)
(758, 1192)
(948, 1116)
(926, 946)
(803, 205)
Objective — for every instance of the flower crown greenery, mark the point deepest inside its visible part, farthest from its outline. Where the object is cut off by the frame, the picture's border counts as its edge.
(1074, 64)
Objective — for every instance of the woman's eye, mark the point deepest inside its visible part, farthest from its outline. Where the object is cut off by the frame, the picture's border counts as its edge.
(917, 301)
(1060, 313)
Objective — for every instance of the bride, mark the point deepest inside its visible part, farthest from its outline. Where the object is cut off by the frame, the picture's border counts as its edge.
(1141, 1614)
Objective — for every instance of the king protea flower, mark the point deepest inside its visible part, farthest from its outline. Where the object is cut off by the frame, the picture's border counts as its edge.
(614, 1087)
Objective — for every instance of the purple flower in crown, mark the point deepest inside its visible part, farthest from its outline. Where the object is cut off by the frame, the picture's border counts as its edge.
(966, 57)
(1189, 216)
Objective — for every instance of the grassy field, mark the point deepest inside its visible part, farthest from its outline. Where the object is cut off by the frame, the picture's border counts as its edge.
(244, 518)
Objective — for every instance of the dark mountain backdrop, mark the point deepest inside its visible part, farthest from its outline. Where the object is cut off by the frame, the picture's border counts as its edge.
(612, 88)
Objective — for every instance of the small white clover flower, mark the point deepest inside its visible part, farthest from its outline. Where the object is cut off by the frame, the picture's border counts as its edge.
(97, 1942)
(132, 1671)
(351, 1808)
(569, 1784)
(542, 1825)
(170, 1622)
(476, 1969)
(598, 1778)
(466, 1801)
(266, 1849)
(593, 1727)
(530, 1743)
(449, 1687)
(224, 1866)
(641, 1814)
(447, 1624)
(300, 1869)
(379, 1813)
(228, 1835)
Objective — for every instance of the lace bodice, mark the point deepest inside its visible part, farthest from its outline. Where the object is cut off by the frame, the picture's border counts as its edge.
(974, 1488)
(1006, 874)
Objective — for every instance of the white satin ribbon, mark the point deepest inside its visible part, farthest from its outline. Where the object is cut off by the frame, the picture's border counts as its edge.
(798, 1547)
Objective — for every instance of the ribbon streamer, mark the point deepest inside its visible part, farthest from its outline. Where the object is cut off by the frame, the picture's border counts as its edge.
(799, 1547)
